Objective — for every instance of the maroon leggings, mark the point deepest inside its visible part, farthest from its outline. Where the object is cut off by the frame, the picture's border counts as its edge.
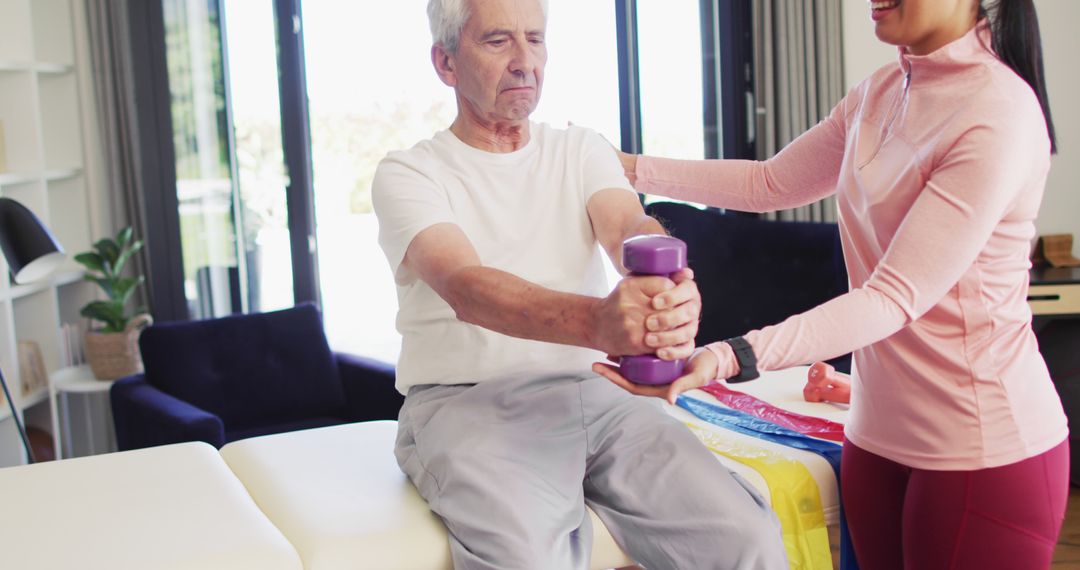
(1005, 517)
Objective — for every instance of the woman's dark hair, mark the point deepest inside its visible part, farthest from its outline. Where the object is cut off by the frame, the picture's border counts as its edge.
(1015, 38)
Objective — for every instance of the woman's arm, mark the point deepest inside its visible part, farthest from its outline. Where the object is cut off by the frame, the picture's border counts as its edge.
(969, 192)
(805, 171)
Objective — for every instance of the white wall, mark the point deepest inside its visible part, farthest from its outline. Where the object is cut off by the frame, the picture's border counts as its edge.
(863, 52)
(1060, 213)
(1061, 47)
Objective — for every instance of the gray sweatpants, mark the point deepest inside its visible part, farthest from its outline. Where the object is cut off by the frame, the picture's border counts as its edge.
(510, 466)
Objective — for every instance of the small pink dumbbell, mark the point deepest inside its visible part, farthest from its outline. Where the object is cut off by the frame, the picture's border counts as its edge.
(825, 384)
(652, 255)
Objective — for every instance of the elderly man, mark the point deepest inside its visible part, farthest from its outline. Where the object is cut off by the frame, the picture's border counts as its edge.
(491, 228)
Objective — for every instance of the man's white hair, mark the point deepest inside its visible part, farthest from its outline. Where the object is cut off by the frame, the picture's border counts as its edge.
(447, 18)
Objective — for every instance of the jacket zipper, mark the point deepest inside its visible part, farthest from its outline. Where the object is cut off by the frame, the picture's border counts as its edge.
(899, 103)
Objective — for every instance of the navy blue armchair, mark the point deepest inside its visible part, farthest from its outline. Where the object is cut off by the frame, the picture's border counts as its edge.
(754, 272)
(220, 380)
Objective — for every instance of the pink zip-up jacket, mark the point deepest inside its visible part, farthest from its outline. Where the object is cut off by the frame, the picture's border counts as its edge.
(939, 165)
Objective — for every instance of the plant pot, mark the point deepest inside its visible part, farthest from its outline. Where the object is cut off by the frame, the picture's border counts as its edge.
(115, 355)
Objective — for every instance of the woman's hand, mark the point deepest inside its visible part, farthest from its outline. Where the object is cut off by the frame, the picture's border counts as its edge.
(671, 330)
(629, 164)
(700, 370)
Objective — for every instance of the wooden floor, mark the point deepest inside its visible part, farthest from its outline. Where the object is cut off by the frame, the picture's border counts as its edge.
(1066, 555)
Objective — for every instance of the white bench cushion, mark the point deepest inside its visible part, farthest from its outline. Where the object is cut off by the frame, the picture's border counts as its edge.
(175, 507)
(338, 495)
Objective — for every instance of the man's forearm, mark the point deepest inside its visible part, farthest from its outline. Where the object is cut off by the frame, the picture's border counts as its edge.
(510, 305)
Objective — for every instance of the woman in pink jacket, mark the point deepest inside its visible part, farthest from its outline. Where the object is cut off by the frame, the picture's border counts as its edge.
(956, 453)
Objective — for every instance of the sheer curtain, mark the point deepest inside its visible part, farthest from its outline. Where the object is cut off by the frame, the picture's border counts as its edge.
(798, 78)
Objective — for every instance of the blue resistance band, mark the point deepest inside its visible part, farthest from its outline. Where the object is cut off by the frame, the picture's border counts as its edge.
(768, 431)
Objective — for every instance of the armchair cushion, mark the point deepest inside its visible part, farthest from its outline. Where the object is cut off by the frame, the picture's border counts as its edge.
(249, 370)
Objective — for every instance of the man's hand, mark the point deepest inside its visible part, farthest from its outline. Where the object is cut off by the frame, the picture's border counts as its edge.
(650, 314)
(699, 371)
(620, 318)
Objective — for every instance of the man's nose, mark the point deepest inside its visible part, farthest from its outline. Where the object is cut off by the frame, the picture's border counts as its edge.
(524, 59)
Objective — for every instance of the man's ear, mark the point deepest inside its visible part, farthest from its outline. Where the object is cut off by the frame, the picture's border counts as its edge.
(445, 66)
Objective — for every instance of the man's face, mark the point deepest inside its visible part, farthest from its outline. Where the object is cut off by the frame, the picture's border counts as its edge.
(498, 70)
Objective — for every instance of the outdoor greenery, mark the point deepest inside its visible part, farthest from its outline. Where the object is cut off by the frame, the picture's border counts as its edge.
(105, 265)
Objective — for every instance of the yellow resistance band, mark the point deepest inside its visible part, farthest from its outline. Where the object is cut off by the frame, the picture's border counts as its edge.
(795, 498)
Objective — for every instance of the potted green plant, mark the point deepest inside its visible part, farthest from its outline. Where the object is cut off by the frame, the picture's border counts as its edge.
(113, 348)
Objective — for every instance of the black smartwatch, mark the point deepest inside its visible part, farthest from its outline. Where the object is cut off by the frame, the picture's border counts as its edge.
(744, 355)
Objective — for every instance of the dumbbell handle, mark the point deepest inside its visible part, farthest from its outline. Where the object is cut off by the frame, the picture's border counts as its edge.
(652, 255)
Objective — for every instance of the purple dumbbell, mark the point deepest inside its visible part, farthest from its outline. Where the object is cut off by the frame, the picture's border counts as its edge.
(652, 255)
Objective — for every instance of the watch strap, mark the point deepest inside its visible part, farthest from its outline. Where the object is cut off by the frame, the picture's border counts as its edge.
(744, 355)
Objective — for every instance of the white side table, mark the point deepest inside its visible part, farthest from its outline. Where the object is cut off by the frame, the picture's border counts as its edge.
(96, 419)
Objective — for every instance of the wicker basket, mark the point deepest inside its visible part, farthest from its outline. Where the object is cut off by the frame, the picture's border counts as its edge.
(115, 355)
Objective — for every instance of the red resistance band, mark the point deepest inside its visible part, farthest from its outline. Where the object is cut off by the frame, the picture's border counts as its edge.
(806, 425)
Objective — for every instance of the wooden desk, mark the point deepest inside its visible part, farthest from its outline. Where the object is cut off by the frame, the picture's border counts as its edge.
(1054, 294)
(1055, 291)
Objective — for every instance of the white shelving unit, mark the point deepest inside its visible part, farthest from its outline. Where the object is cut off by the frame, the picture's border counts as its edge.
(43, 99)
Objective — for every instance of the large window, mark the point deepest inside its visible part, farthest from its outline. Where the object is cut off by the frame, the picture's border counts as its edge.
(362, 85)
(260, 160)
(581, 81)
(361, 108)
(372, 90)
(669, 52)
(204, 179)
(230, 178)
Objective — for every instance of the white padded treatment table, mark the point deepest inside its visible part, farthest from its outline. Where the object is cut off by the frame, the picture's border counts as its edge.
(329, 498)
(170, 507)
(338, 495)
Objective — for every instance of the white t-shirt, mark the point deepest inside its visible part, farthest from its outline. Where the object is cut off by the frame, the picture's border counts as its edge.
(524, 213)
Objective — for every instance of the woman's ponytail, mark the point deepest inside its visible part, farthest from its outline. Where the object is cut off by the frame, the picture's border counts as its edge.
(1016, 40)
